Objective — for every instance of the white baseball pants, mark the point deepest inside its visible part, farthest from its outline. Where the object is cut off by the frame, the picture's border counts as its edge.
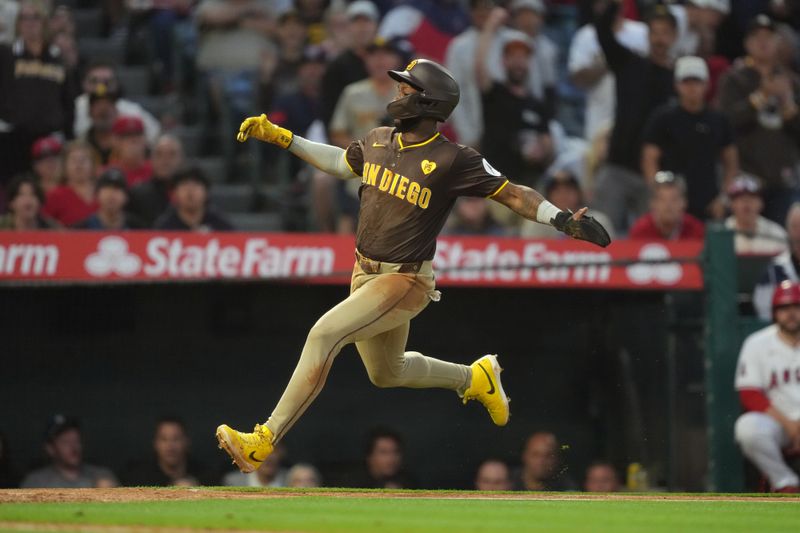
(762, 438)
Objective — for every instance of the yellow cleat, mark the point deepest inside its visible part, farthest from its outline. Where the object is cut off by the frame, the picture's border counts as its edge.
(487, 389)
(248, 450)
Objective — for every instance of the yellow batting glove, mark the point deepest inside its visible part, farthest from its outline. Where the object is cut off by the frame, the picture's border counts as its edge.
(262, 129)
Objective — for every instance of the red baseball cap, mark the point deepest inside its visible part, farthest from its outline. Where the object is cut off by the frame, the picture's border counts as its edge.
(128, 125)
(787, 293)
(46, 147)
(744, 184)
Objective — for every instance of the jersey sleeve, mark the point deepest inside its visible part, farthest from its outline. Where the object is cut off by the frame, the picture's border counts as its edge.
(354, 157)
(749, 373)
(474, 176)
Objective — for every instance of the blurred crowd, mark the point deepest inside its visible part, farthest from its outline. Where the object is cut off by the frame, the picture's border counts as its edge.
(541, 466)
(120, 114)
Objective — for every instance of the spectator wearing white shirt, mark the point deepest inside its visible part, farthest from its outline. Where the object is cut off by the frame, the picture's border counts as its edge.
(588, 69)
(102, 73)
(754, 233)
(697, 24)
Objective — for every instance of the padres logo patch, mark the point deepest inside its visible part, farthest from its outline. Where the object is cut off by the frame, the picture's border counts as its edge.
(428, 166)
(411, 65)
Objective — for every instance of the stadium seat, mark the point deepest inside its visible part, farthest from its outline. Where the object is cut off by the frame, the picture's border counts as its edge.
(232, 198)
(213, 167)
(256, 221)
(192, 140)
(135, 81)
(88, 23)
(92, 48)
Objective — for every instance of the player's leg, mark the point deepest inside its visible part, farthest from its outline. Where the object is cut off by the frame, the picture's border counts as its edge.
(761, 438)
(389, 365)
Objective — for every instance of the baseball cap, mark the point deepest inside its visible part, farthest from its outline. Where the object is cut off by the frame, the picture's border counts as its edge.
(760, 22)
(362, 8)
(102, 91)
(194, 174)
(723, 6)
(691, 67)
(398, 45)
(128, 125)
(513, 38)
(58, 424)
(560, 178)
(744, 184)
(112, 177)
(46, 147)
(786, 293)
(534, 5)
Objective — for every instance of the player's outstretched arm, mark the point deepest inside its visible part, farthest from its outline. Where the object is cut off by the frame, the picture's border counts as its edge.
(528, 203)
(327, 158)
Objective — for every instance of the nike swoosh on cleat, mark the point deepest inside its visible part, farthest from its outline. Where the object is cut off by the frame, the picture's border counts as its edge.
(491, 383)
(378, 145)
(253, 458)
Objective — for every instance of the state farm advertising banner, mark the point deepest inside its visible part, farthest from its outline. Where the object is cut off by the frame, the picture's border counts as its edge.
(89, 257)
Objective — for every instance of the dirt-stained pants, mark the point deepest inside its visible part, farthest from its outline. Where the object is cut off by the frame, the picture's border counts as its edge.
(376, 317)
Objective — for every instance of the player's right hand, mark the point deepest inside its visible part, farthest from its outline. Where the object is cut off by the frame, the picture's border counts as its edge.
(262, 129)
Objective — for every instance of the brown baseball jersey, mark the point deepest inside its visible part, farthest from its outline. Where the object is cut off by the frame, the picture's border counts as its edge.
(408, 190)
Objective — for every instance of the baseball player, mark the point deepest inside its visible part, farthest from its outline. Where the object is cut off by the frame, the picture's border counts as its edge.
(768, 381)
(410, 178)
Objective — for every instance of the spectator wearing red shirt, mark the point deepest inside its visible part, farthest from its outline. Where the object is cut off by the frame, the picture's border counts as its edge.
(667, 219)
(129, 150)
(74, 201)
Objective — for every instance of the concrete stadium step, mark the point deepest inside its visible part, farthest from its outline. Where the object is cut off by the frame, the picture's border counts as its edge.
(231, 198)
(135, 81)
(192, 139)
(92, 48)
(256, 221)
(88, 22)
(213, 167)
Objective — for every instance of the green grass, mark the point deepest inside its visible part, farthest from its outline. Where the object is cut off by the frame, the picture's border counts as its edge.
(326, 514)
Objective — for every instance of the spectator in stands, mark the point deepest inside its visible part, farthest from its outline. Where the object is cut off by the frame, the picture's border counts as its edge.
(47, 165)
(37, 97)
(667, 219)
(697, 23)
(761, 99)
(8, 477)
(690, 139)
(754, 233)
(783, 267)
(528, 16)
(601, 476)
(541, 465)
(643, 84)
(270, 474)
(103, 112)
(589, 70)
(467, 117)
(171, 463)
(336, 39)
(562, 189)
(383, 463)
(190, 210)
(472, 216)
(150, 199)
(769, 391)
(74, 201)
(428, 26)
(361, 108)
(129, 150)
(349, 66)
(303, 475)
(493, 474)
(516, 134)
(64, 447)
(25, 199)
(101, 72)
(111, 196)
(292, 36)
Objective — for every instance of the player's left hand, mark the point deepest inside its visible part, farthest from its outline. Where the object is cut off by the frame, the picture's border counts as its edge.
(581, 226)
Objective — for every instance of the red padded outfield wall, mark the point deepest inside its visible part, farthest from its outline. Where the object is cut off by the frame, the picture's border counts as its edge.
(93, 257)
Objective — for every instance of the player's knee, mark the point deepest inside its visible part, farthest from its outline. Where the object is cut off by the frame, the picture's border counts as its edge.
(750, 428)
(383, 380)
(323, 332)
